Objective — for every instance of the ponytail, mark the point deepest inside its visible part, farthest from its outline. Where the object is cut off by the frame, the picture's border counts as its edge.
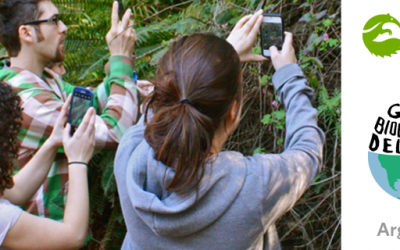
(197, 82)
(181, 137)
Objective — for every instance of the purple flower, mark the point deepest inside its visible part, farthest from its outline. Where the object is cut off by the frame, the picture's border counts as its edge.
(224, 26)
(338, 111)
(326, 36)
(264, 91)
(275, 103)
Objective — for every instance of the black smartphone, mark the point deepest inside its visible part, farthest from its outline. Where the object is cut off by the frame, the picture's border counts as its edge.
(271, 32)
(82, 100)
(121, 9)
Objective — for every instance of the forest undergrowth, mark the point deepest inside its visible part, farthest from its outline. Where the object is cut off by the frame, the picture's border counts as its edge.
(314, 222)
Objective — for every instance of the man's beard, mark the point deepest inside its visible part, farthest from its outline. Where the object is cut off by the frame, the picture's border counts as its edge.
(59, 57)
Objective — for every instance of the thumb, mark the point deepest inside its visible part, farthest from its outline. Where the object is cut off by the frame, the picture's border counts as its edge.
(259, 58)
(274, 51)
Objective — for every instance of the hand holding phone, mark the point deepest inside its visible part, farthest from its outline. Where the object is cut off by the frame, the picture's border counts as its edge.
(271, 33)
(82, 100)
(80, 147)
(286, 56)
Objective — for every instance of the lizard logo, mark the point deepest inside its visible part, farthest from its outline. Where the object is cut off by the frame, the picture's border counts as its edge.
(373, 28)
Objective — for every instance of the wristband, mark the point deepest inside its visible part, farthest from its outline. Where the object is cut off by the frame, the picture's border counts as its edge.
(77, 162)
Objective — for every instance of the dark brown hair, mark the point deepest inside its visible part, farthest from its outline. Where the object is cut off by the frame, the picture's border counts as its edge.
(10, 124)
(206, 70)
(13, 13)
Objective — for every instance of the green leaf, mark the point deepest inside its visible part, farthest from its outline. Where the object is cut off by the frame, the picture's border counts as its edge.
(258, 151)
(253, 70)
(314, 82)
(266, 119)
(313, 40)
(280, 126)
(314, 60)
(327, 22)
(234, 20)
(321, 14)
(252, 3)
(319, 176)
(332, 42)
(306, 18)
(279, 114)
(257, 50)
(224, 17)
(264, 80)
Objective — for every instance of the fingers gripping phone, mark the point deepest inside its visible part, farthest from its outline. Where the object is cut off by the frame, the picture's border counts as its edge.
(271, 32)
(82, 100)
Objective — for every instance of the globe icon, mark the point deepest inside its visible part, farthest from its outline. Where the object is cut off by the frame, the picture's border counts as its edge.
(386, 172)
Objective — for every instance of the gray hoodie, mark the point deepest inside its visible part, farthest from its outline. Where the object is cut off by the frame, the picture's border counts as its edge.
(239, 198)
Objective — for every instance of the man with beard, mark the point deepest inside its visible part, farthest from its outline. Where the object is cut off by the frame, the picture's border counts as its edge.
(33, 35)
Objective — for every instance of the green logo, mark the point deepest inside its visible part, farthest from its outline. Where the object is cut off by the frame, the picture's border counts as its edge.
(373, 28)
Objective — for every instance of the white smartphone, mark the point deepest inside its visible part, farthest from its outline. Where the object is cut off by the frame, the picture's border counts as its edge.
(271, 32)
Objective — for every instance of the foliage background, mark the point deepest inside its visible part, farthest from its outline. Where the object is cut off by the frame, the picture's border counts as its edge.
(314, 223)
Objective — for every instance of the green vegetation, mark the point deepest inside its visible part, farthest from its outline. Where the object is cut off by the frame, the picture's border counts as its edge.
(314, 223)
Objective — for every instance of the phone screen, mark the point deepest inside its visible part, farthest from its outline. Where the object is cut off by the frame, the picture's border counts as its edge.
(271, 30)
(80, 104)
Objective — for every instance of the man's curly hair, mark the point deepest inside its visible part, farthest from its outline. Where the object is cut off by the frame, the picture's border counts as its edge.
(10, 124)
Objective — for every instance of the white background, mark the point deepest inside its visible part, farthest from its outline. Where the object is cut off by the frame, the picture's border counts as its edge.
(370, 85)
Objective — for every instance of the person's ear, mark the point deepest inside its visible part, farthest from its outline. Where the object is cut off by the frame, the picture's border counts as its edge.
(233, 112)
(26, 34)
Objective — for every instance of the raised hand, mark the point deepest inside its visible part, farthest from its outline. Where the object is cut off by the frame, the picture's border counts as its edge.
(286, 56)
(243, 36)
(121, 37)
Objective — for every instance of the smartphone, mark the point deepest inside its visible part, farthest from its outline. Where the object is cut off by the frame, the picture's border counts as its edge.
(271, 32)
(82, 100)
(121, 9)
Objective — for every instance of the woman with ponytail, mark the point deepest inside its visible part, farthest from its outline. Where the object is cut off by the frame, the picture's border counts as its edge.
(178, 189)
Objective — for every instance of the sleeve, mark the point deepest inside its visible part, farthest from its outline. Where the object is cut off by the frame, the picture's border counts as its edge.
(286, 176)
(9, 214)
(117, 103)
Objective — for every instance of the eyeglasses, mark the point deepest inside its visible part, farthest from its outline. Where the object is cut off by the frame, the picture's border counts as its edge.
(54, 19)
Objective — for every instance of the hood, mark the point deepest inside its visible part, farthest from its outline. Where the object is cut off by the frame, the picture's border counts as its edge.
(171, 214)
